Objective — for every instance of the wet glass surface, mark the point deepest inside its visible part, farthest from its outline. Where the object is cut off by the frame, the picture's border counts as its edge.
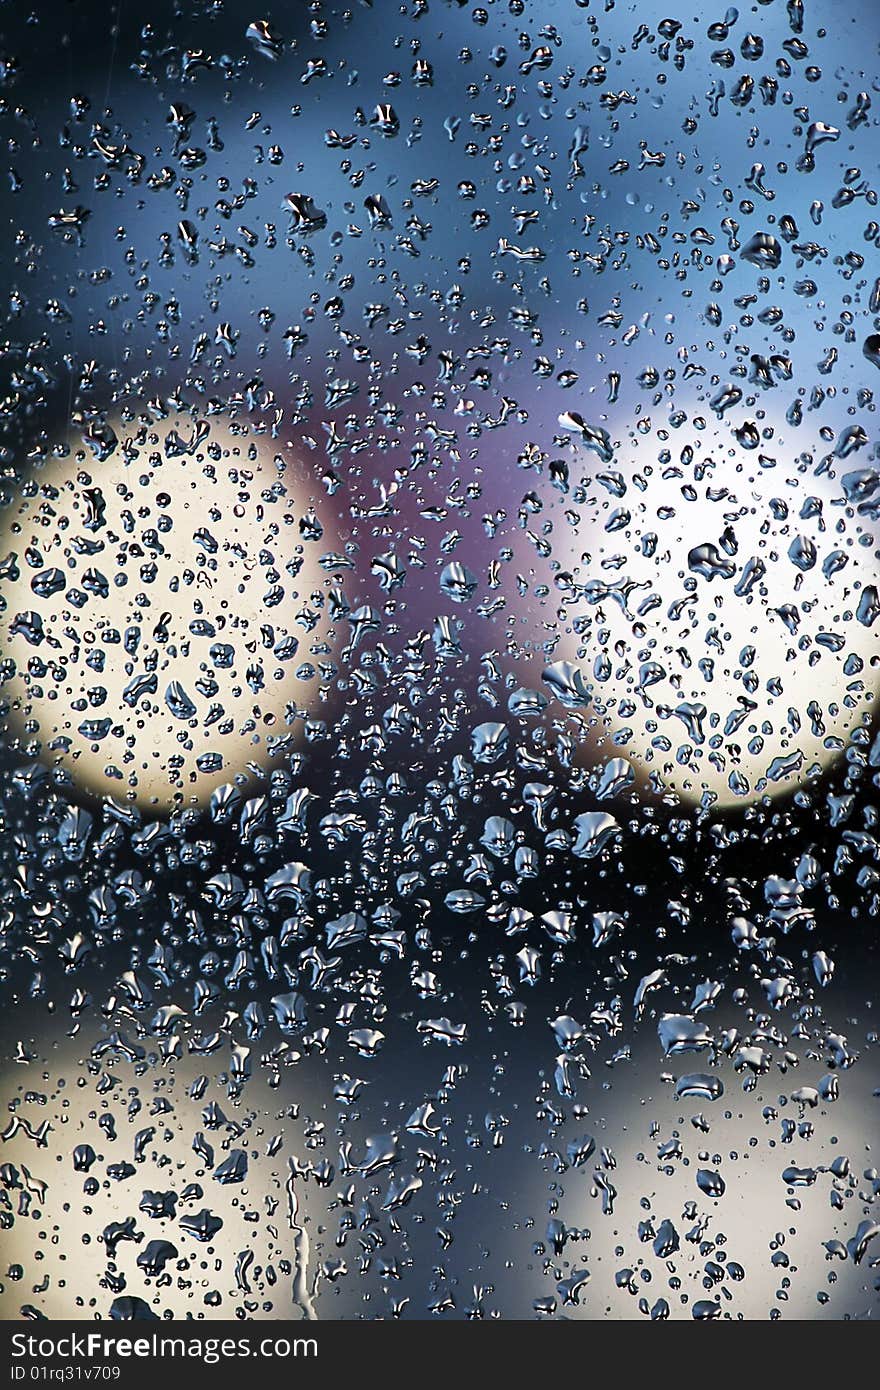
(438, 661)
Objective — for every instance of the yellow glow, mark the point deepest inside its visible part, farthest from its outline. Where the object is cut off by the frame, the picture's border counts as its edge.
(189, 538)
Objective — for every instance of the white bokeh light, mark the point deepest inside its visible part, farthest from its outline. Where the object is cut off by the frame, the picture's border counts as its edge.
(163, 614)
(722, 617)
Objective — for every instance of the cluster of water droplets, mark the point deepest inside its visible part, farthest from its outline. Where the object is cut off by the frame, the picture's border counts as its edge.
(438, 656)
